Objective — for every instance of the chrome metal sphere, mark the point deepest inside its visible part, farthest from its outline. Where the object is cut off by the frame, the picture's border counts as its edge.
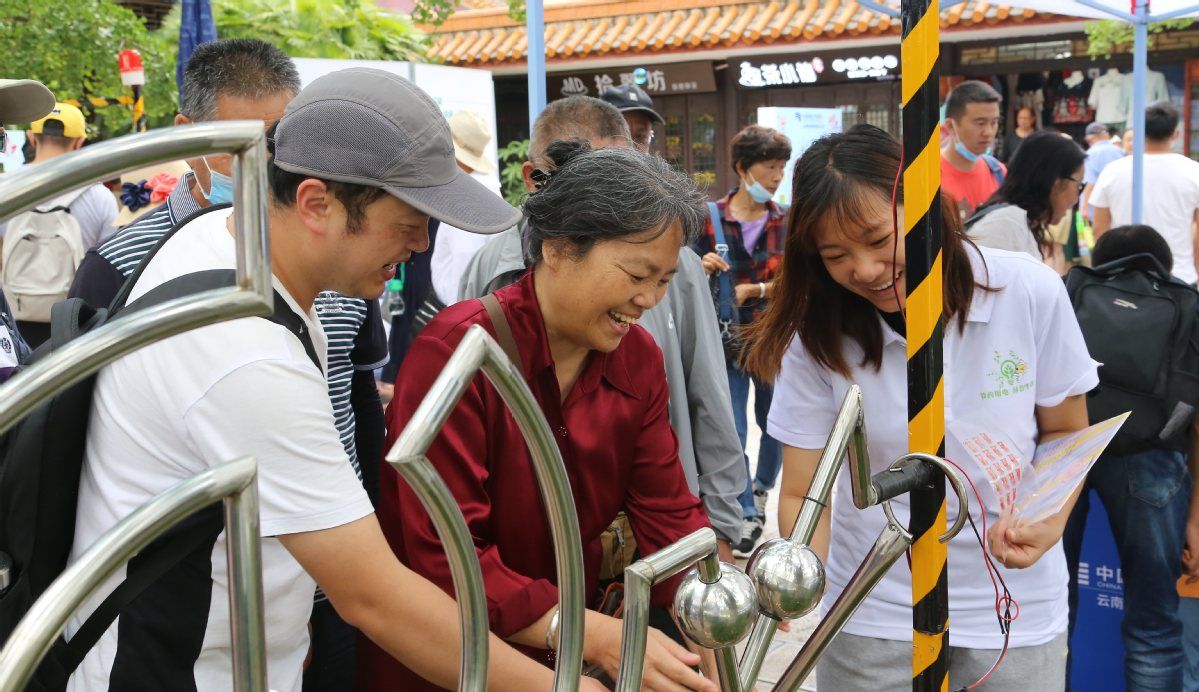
(719, 614)
(788, 577)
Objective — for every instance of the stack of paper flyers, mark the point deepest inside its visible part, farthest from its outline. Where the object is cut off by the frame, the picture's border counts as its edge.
(1035, 490)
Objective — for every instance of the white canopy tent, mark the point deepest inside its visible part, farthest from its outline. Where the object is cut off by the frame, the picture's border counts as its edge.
(1139, 13)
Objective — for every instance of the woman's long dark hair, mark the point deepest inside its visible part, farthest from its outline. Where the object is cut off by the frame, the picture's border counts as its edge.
(1043, 159)
(835, 183)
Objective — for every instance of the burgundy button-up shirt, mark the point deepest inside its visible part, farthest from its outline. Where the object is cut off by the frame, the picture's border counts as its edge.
(615, 437)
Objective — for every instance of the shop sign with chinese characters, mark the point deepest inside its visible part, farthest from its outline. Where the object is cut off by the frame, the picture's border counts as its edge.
(817, 70)
(657, 80)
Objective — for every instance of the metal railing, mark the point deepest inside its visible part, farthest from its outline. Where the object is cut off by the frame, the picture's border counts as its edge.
(478, 351)
(234, 482)
(252, 296)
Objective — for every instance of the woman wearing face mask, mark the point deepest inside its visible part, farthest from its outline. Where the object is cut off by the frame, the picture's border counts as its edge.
(1044, 180)
(752, 226)
(601, 384)
(837, 320)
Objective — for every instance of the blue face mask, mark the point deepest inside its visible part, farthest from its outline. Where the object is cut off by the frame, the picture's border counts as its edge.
(966, 153)
(220, 187)
(758, 193)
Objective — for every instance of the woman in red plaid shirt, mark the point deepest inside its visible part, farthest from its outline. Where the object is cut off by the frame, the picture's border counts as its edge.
(753, 230)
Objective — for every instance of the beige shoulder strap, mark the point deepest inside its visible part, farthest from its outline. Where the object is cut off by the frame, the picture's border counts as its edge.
(503, 331)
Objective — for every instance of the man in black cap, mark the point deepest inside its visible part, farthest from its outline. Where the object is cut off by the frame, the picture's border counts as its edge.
(638, 110)
(360, 160)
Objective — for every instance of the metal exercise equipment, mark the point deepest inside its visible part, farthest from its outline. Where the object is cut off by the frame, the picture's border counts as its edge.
(478, 351)
(236, 483)
(789, 578)
(715, 606)
(252, 296)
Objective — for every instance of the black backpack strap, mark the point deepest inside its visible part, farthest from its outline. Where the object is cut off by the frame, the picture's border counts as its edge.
(171, 549)
(118, 302)
(69, 319)
(979, 214)
(222, 278)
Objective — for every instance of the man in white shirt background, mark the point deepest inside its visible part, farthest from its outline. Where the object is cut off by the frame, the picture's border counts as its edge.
(1171, 185)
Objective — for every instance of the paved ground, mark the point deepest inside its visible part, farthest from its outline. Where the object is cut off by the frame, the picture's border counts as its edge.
(786, 644)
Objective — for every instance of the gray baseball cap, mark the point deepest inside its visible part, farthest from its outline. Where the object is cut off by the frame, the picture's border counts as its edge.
(371, 127)
(24, 100)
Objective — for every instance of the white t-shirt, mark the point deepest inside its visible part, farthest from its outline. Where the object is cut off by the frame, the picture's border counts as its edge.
(1171, 198)
(184, 405)
(1030, 321)
(453, 251)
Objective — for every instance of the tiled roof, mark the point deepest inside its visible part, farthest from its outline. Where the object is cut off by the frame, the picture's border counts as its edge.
(487, 36)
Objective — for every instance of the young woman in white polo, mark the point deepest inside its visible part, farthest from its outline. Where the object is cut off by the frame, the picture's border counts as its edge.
(1015, 363)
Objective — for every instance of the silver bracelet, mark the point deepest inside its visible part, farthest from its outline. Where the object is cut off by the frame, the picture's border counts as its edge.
(551, 632)
(761, 289)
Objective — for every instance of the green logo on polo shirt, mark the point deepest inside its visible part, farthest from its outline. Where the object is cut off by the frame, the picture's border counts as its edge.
(1010, 376)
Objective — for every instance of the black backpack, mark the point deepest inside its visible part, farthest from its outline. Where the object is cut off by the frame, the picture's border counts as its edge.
(41, 459)
(1142, 325)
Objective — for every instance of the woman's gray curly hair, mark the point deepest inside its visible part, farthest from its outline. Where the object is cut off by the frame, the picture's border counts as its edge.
(605, 194)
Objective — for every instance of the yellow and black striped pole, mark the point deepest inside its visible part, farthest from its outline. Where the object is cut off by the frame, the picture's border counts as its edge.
(926, 391)
(139, 110)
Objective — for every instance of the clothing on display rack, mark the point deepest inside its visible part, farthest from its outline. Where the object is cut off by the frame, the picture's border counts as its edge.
(1107, 97)
(1066, 98)
(1155, 90)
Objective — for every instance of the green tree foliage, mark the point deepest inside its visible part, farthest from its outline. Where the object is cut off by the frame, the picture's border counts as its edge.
(71, 45)
(337, 29)
(512, 181)
(437, 11)
(72, 48)
(1113, 36)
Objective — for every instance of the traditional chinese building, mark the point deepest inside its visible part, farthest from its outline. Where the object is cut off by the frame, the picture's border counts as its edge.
(711, 64)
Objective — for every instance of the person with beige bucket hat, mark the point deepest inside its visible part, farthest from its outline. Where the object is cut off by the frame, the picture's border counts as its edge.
(454, 247)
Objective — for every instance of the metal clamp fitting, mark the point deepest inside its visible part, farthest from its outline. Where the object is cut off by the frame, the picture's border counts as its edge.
(955, 479)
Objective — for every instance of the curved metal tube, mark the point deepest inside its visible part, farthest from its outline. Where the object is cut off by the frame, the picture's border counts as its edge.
(891, 544)
(847, 436)
(479, 351)
(92, 351)
(639, 578)
(955, 479)
(236, 482)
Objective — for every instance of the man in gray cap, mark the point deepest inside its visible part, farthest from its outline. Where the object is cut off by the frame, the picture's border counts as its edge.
(1100, 152)
(21, 101)
(361, 158)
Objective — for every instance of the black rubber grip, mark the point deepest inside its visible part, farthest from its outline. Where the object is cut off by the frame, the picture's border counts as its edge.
(899, 481)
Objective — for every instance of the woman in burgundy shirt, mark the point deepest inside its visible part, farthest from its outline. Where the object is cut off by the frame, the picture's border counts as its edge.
(605, 232)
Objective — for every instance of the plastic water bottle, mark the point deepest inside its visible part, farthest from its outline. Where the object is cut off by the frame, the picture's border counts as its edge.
(393, 299)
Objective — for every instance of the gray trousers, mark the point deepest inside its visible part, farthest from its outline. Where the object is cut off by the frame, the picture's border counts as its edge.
(865, 664)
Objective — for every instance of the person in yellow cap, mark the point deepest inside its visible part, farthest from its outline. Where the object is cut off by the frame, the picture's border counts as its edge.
(21, 100)
(91, 208)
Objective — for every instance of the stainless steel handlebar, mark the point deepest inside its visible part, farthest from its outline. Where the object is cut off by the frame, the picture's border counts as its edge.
(848, 436)
(479, 351)
(236, 483)
(252, 296)
(639, 578)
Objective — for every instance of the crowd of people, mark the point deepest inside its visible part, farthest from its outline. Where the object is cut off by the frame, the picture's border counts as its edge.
(641, 316)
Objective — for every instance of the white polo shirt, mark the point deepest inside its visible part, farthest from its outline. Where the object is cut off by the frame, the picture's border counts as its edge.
(179, 407)
(1022, 348)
